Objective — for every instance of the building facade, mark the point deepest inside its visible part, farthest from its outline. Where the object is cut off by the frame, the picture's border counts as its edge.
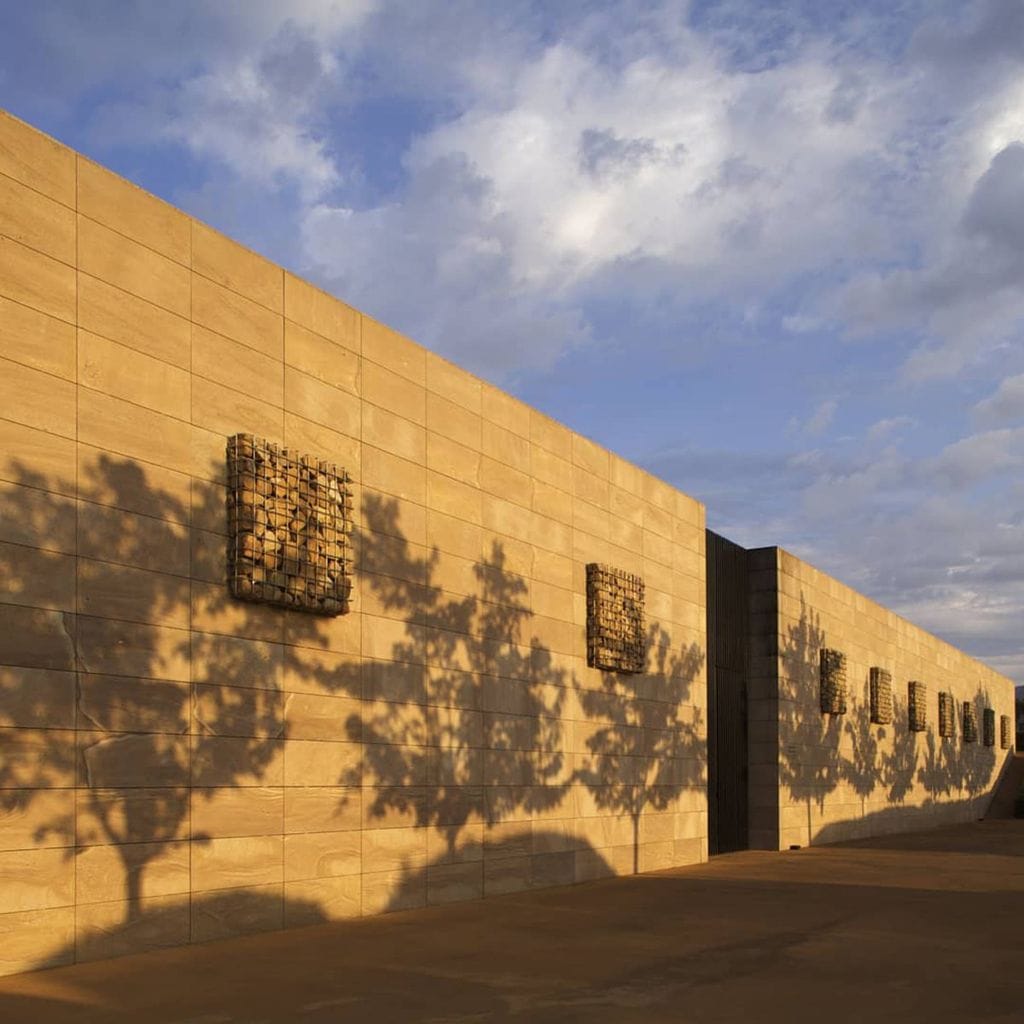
(299, 621)
(889, 748)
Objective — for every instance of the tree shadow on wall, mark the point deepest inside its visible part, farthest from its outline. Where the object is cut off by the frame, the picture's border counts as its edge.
(951, 766)
(820, 752)
(810, 766)
(471, 733)
(124, 732)
(647, 745)
(472, 745)
(461, 721)
(146, 714)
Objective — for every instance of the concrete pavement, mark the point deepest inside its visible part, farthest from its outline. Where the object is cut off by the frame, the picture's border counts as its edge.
(925, 927)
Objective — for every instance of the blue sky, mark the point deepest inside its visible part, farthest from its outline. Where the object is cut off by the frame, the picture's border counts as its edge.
(772, 251)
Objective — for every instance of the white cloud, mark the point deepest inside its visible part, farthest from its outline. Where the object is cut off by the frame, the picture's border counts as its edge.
(256, 86)
(794, 177)
(237, 117)
(663, 174)
(979, 457)
(817, 423)
(822, 418)
(886, 427)
(1005, 404)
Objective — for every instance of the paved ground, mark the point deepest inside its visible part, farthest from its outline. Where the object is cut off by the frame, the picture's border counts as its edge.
(912, 928)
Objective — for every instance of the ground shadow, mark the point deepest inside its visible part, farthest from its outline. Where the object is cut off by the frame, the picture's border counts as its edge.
(182, 920)
(501, 867)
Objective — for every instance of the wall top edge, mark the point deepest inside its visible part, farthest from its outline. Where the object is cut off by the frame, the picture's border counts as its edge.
(782, 562)
(792, 565)
(25, 127)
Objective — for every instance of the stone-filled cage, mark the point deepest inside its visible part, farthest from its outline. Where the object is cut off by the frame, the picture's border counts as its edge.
(832, 681)
(881, 696)
(970, 722)
(289, 516)
(615, 619)
(917, 706)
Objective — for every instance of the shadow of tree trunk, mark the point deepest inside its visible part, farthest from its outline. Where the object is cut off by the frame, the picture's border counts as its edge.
(648, 745)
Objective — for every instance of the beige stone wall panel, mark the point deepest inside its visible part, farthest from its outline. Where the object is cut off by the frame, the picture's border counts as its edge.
(117, 315)
(34, 159)
(223, 769)
(108, 199)
(322, 313)
(37, 340)
(868, 778)
(321, 358)
(37, 458)
(36, 221)
(36, 399)
(453, 383)
(36, 280)
(132, 267)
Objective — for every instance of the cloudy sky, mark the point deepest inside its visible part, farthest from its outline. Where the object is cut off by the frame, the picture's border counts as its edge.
(772, 250)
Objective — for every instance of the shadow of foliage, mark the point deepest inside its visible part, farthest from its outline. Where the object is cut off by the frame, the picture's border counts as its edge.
(819, 752)
(115, 695)
(144, 692)
(648, 745)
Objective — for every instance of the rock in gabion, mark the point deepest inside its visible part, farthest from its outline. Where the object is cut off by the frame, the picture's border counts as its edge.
(881, 696)
(917, 706)
(833, 682)
(947, 715)
(289, 517)
(615, 619)
(970, 723)
(988, 727)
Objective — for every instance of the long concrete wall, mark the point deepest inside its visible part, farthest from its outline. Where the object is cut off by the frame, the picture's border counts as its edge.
(177, 766)
(820, 778)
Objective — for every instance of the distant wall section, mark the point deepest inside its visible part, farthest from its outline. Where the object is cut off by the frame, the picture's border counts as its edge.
(842, 776)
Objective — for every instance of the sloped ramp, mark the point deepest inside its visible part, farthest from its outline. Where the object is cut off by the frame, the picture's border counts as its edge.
(1005, 796)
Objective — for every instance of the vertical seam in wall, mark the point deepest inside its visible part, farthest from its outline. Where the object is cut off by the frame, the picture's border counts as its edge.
(285, 440)
(359, 531)
(75, 620)
(191, 568)
(283, 697)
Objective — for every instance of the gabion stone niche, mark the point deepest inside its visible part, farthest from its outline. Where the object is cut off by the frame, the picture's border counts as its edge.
(1004, 732)
(917, 706)
(881, 696)
(970, 723)
(615, 619)
(289, 517)
(947, 715)
(988, 727)
(832, 674)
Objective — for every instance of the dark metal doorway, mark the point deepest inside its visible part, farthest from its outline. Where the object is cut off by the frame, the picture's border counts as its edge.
(727, 617)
